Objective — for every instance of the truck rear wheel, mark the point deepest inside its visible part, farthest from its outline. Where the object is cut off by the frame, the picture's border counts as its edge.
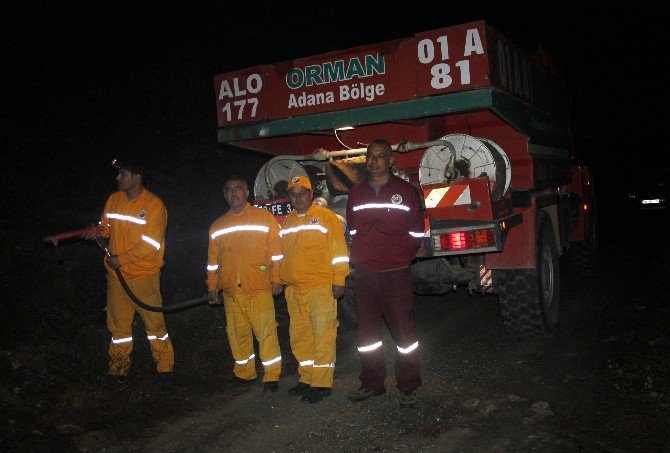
(529, 298)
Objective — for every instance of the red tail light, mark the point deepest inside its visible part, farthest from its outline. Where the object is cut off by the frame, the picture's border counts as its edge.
(458, 241)
(472, 239)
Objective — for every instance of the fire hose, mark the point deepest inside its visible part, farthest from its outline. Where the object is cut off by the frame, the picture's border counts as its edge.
(105, 250)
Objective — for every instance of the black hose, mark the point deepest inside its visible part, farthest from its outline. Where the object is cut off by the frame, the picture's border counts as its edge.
(170, 308)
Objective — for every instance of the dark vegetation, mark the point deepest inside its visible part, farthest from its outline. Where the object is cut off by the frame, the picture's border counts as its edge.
(53, 336)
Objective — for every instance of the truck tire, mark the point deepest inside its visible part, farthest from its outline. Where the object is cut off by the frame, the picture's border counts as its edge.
(529, 298)
(346, 307)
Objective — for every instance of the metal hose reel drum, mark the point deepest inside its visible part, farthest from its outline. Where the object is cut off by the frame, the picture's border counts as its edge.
(463, 156)
(272, 179)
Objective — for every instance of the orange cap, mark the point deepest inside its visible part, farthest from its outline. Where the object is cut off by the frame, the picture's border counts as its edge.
(299, 181)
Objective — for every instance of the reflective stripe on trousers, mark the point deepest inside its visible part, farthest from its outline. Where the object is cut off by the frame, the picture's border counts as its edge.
(388, 294)
(249, 314)
(120, 315)
(313, 332)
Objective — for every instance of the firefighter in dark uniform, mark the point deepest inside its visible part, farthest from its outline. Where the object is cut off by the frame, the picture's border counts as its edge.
(386, 225)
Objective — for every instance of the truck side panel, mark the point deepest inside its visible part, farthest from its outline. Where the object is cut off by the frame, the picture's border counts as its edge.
(437, 62)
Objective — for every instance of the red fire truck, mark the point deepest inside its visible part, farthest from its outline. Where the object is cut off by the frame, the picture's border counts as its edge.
(480, 126)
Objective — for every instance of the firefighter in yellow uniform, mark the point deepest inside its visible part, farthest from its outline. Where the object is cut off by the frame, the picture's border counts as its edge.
(243, 255)
(134, 220)
(314, 267)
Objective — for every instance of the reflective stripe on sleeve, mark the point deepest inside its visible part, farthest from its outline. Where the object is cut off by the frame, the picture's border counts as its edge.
(325, 365)
(307, 363)
(122, 340)
(237, 228)
(408, 349)
(212, 267)
(371, 347)
(416, 235)
(340, 259)
(152, 242)
(277, 257)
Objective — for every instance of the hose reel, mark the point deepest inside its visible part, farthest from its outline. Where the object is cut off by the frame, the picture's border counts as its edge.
(463, 156)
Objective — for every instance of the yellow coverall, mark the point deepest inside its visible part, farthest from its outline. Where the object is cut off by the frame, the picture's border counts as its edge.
(243, 253)
(315, 259)
(136, 232)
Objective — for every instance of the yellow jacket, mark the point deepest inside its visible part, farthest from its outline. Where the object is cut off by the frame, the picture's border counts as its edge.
(136, 232)
(315, 251)
(243, 248)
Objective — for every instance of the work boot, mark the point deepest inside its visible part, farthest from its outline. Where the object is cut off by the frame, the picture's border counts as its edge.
(408, 399)
(316, 394)
(363, 394)
(271, 387)
(166, 379)
(299, 389)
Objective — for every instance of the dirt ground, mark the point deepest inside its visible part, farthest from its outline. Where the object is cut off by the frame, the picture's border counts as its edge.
(601, 383)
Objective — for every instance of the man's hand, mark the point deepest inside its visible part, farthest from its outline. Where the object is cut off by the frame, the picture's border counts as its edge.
(113, 262)
(338, 291)
(92, 232)
(421, 251)
(277, 288)
(214, 298)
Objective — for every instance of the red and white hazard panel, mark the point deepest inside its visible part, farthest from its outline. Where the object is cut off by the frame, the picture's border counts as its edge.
(485, 279)
(448, 196)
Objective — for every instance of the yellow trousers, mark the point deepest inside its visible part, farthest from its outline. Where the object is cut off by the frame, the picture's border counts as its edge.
(249, 314)
(120, 315)
(313, 331)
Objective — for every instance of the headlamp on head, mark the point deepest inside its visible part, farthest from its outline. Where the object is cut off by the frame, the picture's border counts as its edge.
(131, 166)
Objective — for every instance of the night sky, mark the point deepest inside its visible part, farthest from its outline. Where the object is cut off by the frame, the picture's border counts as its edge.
(86, 81)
